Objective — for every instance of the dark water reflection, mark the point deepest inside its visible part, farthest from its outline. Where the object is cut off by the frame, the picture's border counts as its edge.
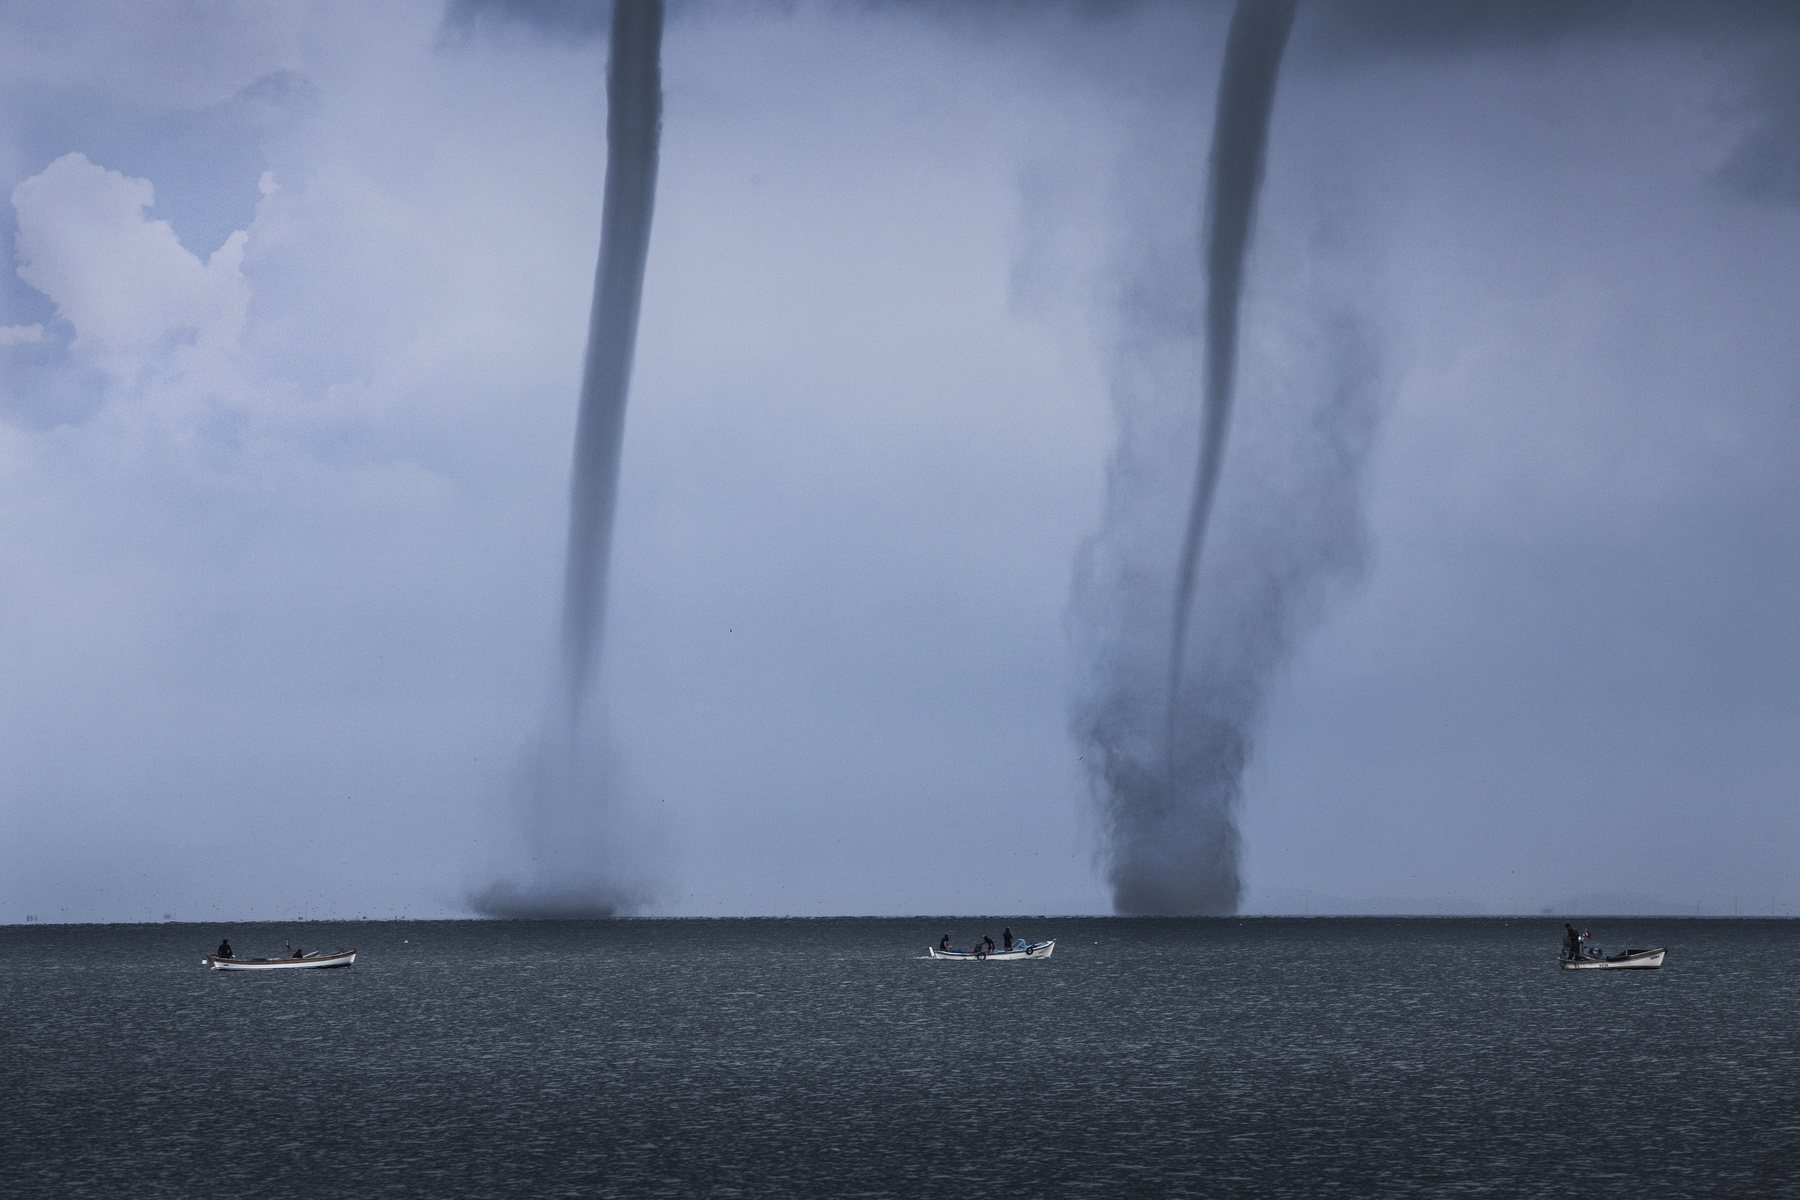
(1253, 1057)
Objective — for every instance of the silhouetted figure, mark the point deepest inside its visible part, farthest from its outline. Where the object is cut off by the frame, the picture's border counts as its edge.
(1571, 941)
(294, 951)
(944, 943)
(1006, 938)
(989, 943)
(224, 949)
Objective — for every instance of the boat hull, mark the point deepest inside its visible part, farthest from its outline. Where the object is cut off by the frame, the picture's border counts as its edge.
(1034, 951)
(1633, 960)
(342, 958)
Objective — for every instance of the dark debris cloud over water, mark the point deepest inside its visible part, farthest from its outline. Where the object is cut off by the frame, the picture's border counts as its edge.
(1206, 748)
(1167, 759)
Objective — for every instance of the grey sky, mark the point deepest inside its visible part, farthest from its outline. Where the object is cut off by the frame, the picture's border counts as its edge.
(280, 542)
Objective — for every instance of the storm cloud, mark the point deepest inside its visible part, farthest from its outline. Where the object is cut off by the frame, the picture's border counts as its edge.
(1500, 524)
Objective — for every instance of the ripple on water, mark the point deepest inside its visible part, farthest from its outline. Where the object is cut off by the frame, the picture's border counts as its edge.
(1255, 1057)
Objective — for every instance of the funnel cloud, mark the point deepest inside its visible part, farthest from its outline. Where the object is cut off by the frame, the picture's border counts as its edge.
(1259, 33)
(1167, 745)
(566, 777)
(633, 130)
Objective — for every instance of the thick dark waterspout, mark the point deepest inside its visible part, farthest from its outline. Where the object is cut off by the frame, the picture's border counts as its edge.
(633, 130)
(1253, 48)
(565, 777)
(1166, 753)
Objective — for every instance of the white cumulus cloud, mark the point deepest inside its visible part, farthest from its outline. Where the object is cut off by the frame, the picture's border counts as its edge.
(123, 281)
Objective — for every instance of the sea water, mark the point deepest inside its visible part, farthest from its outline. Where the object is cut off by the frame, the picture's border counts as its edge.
(1265, 1057)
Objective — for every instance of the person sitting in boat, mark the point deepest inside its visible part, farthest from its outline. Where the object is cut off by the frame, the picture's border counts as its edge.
(1006, 938)
(293, 951)
(224, 949)
(944, 942)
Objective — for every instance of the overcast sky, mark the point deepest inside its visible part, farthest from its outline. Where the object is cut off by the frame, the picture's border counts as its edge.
(290, 336)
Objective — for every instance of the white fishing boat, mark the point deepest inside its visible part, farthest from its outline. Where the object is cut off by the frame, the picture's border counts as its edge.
(1592, 958)
(338, 958)
(1020, 950)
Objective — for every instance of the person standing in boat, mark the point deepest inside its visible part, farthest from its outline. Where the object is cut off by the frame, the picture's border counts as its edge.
(989, 943)
(1571, 941)
(1006, 939)
(224, 949)
(944, 942)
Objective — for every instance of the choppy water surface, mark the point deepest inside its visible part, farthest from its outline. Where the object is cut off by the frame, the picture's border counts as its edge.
(1255, 1057)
